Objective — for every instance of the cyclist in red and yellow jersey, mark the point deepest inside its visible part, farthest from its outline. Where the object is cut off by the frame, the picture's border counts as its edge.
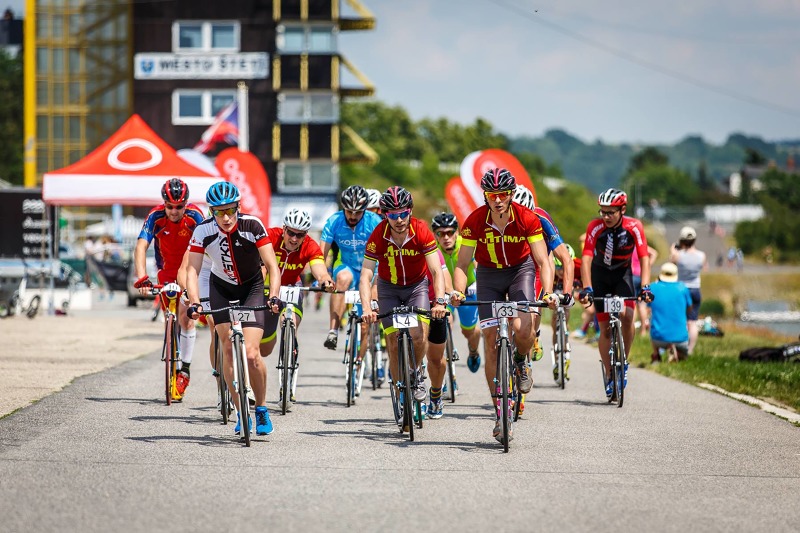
(507, 243)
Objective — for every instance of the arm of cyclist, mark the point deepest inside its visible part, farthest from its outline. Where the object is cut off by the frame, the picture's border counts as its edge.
(274, 271)
(365, 290)
(194, 262)
(438, 310)
(181, 278)
(140, 265)
(465, 255)
(586, 278)
(546, 270)
(320, 273)
(562, 253)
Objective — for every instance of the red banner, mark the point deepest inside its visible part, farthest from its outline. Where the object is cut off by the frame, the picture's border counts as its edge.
(244, 170)
(475, 165)
(458, 197)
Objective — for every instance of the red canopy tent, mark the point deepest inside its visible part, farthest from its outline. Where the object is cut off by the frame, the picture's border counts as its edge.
(129, 168)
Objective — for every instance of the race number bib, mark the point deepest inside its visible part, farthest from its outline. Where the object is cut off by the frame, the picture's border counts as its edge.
(352, 297)
(290, 294)
(244, 315)
(614, 305)
(405, 320)
(504, 310)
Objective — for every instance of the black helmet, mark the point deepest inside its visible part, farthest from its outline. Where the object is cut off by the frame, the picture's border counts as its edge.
(354, 198)
(444, 220)
(396, 198)
(175, 191)
(498, 179)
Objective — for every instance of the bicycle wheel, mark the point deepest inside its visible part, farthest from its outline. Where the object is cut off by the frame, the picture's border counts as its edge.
(222, 387)
(503, 356)
(352, 354)
(33, 306)
(561, 347)
(285, 363)
(403, 345)
(374, 351)
(398, 419)
(620, 384)
(451, 364)
(241, 388)
(168, 355)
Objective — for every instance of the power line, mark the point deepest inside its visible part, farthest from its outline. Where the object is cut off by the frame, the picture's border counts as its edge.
(621, 54)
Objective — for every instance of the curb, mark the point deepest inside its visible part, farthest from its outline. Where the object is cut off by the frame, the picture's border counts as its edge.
(764, 406)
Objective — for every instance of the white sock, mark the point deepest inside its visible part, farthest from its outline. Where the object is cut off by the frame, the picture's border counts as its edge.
(187, 339)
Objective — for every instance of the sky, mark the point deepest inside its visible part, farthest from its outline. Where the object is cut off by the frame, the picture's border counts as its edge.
(617, 71)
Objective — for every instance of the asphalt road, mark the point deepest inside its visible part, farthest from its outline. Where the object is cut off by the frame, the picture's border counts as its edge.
(106, 454)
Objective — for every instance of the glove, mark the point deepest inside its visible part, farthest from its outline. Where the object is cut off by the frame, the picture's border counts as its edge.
(646, 295)
(587, 292)
(472, 290)
(548, 297)
(275, 301)
(567, 300)
(144, 281)
(192, 309)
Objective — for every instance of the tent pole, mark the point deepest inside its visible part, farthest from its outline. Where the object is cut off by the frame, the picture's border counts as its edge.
(244, 118)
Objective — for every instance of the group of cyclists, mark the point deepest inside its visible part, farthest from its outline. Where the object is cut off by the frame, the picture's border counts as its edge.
(507, 249)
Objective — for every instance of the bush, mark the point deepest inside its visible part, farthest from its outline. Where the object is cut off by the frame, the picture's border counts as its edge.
(713, 307)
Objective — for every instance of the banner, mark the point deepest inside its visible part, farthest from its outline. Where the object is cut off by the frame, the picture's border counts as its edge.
(459, 199)
(167, 66)
(244, 170)
(475, 165)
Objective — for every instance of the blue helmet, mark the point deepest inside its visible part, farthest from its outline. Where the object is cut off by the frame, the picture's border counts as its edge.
(222, 193)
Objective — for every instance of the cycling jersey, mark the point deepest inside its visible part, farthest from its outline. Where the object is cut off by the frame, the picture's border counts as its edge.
(551, 236)
(405, 264)
(172, 238)
(452, 259)
(351, 240)
(234, 256)
(495, 248)
(611, 248)
(293, 263)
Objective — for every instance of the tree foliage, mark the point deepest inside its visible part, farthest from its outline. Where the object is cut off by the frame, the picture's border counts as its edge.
(11, 118)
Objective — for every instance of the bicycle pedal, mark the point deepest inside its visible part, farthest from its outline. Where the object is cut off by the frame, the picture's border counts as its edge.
(455, 356)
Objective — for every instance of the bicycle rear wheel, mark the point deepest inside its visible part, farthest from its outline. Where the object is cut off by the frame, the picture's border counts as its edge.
(503, 378)
(222, 386)
(33, 306)
(451, 364)
(561, 346)
(285, 363)
(374, 352)
(241, 389)
(393, 392)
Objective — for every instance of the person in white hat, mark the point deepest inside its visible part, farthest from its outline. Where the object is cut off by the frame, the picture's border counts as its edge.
(691, 262)
(669, 311)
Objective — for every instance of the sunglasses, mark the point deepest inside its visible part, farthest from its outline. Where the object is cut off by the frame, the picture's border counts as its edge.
(177, 207)
(296, 234)
(398, 215)
(230, 211)
(445, 233)
(502, 195)
(608, 213)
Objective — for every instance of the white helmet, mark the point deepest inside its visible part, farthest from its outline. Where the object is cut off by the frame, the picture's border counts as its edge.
(374, 199)
(523, 196)
(297, 219)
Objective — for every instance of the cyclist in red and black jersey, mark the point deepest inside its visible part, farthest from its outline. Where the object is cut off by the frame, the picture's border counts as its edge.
(611, 241)
(171, 226)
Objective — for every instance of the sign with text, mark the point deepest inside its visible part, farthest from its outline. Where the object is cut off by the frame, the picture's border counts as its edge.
(166, 66)
(27, 224)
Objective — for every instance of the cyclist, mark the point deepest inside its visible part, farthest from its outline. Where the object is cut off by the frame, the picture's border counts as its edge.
(171, 225)
(506, 241)
(561, 288)
(294, 249)
(445, 228)
(374, 201)
(611, 240)
(237, 245)
(348, 229)
(403, 246)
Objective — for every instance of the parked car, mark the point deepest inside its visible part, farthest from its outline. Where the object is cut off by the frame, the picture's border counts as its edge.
(152, 272)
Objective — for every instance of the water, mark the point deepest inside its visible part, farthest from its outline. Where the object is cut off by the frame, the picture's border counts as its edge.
(792, 329)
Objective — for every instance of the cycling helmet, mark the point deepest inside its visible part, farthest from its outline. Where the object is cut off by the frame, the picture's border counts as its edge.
(612, 198)
(523, 196)
(498, 179)
(374, 199)
(396, 198)
(571, 254)
(444, 220)
(354, 198)
(297, 219)
(175, 191)
(222, 193)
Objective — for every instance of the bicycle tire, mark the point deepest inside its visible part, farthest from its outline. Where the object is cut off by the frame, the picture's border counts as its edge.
(374, 351)
(503, 355)
(451, 370)
(395, 403)
(352, 353)
(222, 386)
(285, 362)
(169, 349)
(405, 372)
(621, 369)
(241, 380)
(561, 342)
(33, 306)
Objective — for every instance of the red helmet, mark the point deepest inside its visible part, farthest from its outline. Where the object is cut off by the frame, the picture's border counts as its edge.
(175, 191)
(612, 198)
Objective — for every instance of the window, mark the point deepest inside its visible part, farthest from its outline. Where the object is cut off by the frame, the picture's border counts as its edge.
(198, 36)
(316, 176)
(297, 108)
(199, 107)
(302, 39)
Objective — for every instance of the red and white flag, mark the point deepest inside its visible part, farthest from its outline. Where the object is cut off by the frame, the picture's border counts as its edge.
(224, 129)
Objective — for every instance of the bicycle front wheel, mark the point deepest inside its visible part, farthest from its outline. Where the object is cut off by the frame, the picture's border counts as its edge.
(451, 364)
(405, 375)
(285, 362)
(169, 355)
(620, 366)
(561, 346)
(222, 387)
(503, 380)
(241, 389)
(352, 354)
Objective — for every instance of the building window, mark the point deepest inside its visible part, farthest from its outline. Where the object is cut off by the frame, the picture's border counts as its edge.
(307, 39)
(308, 108)
(198, 36)
(308, 176)
(198, 107)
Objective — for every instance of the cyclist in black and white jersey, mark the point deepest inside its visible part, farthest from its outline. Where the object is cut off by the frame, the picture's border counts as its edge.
(237, 245)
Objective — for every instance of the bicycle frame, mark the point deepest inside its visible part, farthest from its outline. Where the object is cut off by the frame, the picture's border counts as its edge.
(616, 350)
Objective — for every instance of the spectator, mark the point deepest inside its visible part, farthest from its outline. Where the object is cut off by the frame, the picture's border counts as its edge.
(636, 269)
(669, 311)
(691, 262)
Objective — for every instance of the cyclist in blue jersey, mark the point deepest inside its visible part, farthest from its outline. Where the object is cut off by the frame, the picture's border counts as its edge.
(349, 229)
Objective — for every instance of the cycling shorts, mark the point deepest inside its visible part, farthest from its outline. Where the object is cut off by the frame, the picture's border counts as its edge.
(391, 295)
(249, 293)
(495, 284)
(607, 282)
(355, 273)
(467, 315)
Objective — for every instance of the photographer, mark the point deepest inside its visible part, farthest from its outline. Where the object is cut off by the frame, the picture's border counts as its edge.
(691, 262)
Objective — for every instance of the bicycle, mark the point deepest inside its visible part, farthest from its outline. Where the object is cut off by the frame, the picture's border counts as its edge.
(241, 382)
(170, 353)
(354, 376)
(378, 357)
(225, 406)
(614, 305)
(509, 397)
(561, 347)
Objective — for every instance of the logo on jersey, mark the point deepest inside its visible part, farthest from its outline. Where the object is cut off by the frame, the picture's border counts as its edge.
(609, 253)
(183, 232)
(237, 243)
(227, 259)
(394, 252)
(466, 232)
(371, 247)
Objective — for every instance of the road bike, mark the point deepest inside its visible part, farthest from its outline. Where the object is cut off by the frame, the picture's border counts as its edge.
(451, 354)
(354, 376)
(225, 405)
(507, 390)
(377, 355)
(614, 305)
(241, 381)
(170, 353)
(561, 348)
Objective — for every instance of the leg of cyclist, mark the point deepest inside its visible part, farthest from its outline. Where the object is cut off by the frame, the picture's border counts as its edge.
(186, 342)
(344, 279)
(468, 318)
(437, 365)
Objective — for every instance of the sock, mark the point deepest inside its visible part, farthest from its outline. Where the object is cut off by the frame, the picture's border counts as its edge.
(519, 356)
(185, 368)
(435, 393)
(187, 338)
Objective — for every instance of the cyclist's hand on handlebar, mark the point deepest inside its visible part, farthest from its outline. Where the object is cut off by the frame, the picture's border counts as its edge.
(438, 310)
(456, 298)
(551, 299)
(369, 316)
(275, 305)
(327, 285)
(144, 285)
(193, 311)
(586, 295)
(567, 300)
(646, 295)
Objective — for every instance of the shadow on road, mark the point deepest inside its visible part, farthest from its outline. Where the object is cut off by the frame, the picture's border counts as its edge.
(140, 401)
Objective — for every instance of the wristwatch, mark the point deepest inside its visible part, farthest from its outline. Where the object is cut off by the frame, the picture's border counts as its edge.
(441, 301)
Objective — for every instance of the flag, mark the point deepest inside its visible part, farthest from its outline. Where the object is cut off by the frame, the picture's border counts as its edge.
(224, 129)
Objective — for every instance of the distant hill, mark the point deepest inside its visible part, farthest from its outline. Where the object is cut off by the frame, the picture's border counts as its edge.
(599, 166)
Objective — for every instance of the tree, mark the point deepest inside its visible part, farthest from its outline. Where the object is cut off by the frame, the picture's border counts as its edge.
(11, 119)
(648, 157)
